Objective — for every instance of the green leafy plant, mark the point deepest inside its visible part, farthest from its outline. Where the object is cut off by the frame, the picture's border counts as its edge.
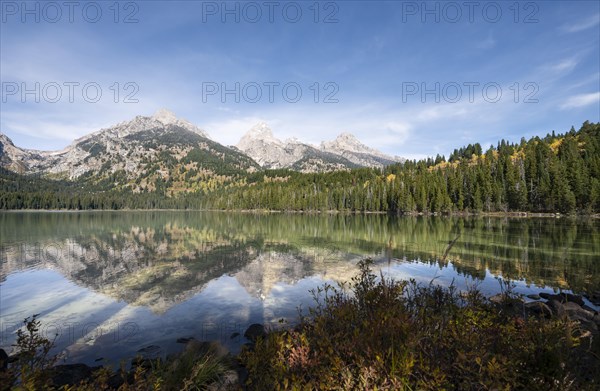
(377, 333)
(198, 367)
(33, 359)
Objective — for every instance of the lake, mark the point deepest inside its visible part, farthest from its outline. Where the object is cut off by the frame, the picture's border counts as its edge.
(108, 284)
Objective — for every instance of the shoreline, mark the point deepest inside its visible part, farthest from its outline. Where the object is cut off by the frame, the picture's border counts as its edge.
(326, 212)
(242, 369)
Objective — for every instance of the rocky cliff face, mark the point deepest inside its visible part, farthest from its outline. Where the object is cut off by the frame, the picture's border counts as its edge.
(14, 158)
(136, 152)
(348, 146)
(163, 147)
(342, 153)
(268, 151)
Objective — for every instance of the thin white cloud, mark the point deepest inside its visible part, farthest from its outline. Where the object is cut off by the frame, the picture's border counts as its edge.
(385, 130)
(54, 126)
(399, 129)
(57, 130)
(581, 100)
(581, 25)
(565, 65)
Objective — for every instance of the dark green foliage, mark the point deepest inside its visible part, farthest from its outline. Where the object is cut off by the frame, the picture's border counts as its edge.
(312, 153)
(95, 149)
(557, 173)
(31, 368)
(388, 335)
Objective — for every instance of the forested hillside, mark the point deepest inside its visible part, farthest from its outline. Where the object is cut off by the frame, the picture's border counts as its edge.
(556, 173)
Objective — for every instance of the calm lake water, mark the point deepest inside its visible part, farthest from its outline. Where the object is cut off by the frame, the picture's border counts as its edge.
(112, 283)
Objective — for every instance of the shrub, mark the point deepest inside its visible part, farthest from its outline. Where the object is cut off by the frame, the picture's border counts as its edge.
(377, 333)
(33, 360)
(201, 365)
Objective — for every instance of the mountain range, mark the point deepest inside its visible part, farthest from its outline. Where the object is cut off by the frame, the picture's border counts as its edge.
(136, 153)
(343, 152)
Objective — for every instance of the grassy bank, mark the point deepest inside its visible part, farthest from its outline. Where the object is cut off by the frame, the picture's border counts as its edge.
(373, 333)
(381, 334)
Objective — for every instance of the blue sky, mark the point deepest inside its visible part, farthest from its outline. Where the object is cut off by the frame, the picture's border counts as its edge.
(490, 70)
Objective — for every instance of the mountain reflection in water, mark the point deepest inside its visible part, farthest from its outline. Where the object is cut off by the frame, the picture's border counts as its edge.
(110, 283)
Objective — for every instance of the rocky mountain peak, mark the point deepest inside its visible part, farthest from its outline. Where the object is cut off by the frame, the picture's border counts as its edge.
(4, 139)
(165, 116)
(261, 130)
(11, 156)
(347, 136)
(348, 146)
(292, 140)
(130, 148)
(346, 142)
(269, 151)
(259, 134)
(346, 151)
